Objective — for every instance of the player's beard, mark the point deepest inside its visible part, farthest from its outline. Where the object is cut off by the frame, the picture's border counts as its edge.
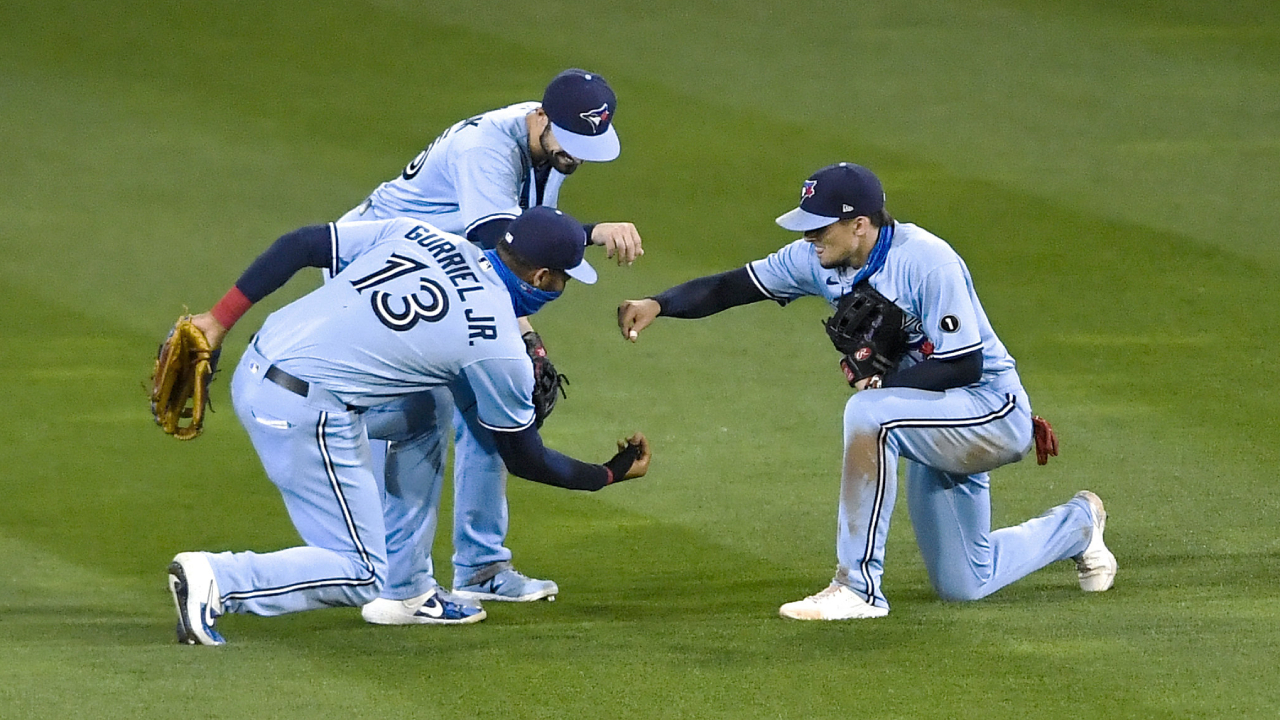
(567, 163)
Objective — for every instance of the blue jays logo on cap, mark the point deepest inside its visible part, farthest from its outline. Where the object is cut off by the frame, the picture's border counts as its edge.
(597, 116)
(807, 190)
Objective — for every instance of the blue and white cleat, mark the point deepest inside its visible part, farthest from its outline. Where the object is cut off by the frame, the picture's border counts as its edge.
(504, 583)
(1096, 566)
(432, 608)
(195, 595)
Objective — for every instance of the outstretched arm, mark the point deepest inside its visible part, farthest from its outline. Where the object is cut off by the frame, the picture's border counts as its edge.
(694, 299)
(310, 246)
(525, 456)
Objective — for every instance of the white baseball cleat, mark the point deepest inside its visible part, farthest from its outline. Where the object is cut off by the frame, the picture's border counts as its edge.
(836, 602)
(1096, 566)
(431, 608)
(195, 594)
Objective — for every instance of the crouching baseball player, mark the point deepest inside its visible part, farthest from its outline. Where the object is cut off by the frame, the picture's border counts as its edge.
(413, 308)
(473, 180)
(936, 387)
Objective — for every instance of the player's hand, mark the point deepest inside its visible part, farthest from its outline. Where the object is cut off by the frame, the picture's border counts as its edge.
(212, 329)
(641, 464)
(620, 239)
(636, 315)
(869, 383)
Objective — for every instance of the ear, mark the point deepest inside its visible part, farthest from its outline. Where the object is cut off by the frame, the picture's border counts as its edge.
(540, 278)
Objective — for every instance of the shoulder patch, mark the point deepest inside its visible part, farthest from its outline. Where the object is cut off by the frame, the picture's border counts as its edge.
(949, 323)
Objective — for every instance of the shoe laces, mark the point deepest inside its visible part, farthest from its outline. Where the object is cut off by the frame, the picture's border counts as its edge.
(828, 592)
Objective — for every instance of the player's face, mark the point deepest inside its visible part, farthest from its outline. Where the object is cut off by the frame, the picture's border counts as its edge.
(553, 153)
(837, 244)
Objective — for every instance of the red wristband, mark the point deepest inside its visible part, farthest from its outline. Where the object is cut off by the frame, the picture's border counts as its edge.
(609, 480)
(229, 309)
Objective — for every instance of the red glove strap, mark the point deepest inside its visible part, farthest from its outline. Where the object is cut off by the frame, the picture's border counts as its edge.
(231, 307)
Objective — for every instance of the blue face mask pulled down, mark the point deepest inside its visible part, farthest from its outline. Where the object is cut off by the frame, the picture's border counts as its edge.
(525, 298)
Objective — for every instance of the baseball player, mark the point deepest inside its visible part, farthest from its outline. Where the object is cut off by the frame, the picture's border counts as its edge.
(473, 180)
(953, 408)
(410, 308)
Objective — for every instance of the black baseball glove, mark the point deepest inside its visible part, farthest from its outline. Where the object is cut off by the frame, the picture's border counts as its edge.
(548, 385)
(868, 330)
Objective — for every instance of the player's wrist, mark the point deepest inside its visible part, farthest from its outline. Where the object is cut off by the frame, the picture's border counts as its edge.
(620, 464)
(231, 307)
(533, 344)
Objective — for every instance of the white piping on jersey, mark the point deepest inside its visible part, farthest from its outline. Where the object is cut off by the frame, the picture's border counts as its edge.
(760, 286)
(333, 248)
(506, 429)
(487, 218)
(957, 352)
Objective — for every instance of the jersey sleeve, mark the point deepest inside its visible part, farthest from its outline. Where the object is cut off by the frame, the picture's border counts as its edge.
(947, 314)
(487, 184)
(789, 273)
(353, 239)
(503, 389)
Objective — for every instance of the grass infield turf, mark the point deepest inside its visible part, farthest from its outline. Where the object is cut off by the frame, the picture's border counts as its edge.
(1106, 169)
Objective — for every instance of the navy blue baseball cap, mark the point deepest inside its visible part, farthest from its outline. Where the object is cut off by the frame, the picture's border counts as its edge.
(836, 192)
(547, 237)
(581, 107)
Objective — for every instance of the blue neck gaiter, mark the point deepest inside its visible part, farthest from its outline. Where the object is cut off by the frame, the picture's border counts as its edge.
(878, 254)
(525, 298)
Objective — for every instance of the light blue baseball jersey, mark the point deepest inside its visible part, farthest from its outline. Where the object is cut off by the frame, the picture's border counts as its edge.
(477, 170)
(409, 308)
(922, 275)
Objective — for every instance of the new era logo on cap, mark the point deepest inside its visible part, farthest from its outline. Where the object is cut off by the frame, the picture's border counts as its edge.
(836, 192)
(581, 106)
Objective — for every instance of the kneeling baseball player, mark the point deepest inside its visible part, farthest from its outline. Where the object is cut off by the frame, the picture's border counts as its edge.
(411, 308)
(935, 387)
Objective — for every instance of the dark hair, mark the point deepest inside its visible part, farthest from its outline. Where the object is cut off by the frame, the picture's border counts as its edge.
(881, 218)
(514, 260)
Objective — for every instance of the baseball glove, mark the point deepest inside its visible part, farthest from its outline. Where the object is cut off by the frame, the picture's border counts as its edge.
(180, 381)
(867, 330)
(548, 385)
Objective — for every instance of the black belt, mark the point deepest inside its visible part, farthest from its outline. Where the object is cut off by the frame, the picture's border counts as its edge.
(296, 385)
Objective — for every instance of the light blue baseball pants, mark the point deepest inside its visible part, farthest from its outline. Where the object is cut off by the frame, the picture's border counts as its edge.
(412, 473)
(950, 440)
(317, 454)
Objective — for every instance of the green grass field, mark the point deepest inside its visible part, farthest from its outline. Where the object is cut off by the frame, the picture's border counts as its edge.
(1109, 170)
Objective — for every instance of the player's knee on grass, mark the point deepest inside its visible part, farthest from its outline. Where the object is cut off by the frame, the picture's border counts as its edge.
(958, 590)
